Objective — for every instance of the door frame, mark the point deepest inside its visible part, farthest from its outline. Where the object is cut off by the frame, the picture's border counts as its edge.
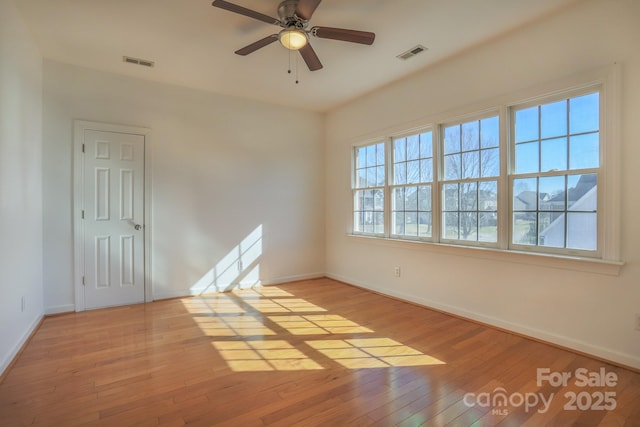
(79, 128)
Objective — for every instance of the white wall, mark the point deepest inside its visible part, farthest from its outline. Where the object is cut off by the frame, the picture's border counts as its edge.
(586, 311)
(20, 183)
(221, 167)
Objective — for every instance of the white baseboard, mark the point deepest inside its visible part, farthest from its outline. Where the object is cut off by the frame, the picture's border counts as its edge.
(13, 352)
(177, 293)
(296, 278)
(57, 309)
(550, 337)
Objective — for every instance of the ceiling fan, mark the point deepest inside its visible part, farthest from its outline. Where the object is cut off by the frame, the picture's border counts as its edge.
(294, 19)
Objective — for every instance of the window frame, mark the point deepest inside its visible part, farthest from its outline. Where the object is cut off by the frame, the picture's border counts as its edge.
(598, 171)
(392, 185)
(499, 179)
(355, 188)
(607, 258)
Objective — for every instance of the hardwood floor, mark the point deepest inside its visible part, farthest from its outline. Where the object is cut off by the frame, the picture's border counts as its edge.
(309, 353)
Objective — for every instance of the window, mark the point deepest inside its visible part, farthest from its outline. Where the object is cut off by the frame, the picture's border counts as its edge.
(412, 185)
(469, 193)
(525, 177)
(555, 176)
(369, 189)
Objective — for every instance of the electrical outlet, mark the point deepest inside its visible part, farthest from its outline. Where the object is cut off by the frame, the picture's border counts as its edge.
(637, 321)
(396, 271)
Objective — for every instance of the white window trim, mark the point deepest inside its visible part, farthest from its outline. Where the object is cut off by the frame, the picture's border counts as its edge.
(495, 111)
(570, 93)
(391, 185)
(609, 204)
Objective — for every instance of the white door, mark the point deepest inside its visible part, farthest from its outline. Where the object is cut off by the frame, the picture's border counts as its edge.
(113, 211)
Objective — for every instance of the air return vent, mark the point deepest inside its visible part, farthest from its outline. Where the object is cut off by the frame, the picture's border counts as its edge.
(412, 52)
(138, 61)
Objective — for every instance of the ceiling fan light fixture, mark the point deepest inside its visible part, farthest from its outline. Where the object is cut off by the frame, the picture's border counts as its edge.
(293, 38)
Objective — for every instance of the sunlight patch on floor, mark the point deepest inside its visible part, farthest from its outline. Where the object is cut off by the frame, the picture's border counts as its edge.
(276, 355)
(269, 329)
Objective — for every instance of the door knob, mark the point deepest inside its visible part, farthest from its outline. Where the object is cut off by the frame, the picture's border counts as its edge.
(138, 227)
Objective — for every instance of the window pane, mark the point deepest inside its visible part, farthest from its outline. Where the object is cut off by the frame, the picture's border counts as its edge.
(452, 166)
(450, 225)
(400, 173)
(413, 147)
(398, 223)
(490, 162)
(426, 170)
(488, 227)
(525, 194)
(379, 222)
(424, 224)
(411, 224)
(362, 178)
(424, 198)
(398, 199)
(584, 151)
(380, 176)
(371, 177)
(426, 145)
(371, 156)
(358, 221)
(554, 154)
(581, 231)
(469, 196)
(358, 200)
(584, 113)
(552, 194)
(488, 196)
(411, 199)
(551, 229)
(378, 200)
(380, 154)
(524, 228)
(468, 226)
(527, 160)
(368, 222)
(470, 136)
(413, 172)
(489, 132)
(471, 164)
(367, 200)
(452, 139)
(526, 124)
(583, 194)
(553, 119)
(361, 157)
(400, 150)
(450, 197)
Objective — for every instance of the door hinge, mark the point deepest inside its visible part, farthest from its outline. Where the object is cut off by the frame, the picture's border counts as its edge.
(83, 214)
(83, 282)
(83, 148)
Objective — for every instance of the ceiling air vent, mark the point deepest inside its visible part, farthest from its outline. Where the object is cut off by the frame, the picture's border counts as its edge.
(138, 61)
(412, 52)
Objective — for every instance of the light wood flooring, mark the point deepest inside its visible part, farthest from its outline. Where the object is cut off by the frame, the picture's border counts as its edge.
(312, 353)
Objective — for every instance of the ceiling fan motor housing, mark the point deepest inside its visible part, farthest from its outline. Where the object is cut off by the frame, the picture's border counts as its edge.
(287, 14)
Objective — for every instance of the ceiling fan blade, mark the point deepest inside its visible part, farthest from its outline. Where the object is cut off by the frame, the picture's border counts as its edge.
(257, 45)
(353, 36)
(310, 57)
(305, 8)
(246, 12)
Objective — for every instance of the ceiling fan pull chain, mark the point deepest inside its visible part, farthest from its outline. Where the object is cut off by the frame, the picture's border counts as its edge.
(297, 63)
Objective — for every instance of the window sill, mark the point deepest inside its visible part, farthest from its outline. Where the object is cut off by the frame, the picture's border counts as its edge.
(587, 265)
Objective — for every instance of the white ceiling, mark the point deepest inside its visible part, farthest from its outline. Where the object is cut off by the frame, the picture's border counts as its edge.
(192, 43)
